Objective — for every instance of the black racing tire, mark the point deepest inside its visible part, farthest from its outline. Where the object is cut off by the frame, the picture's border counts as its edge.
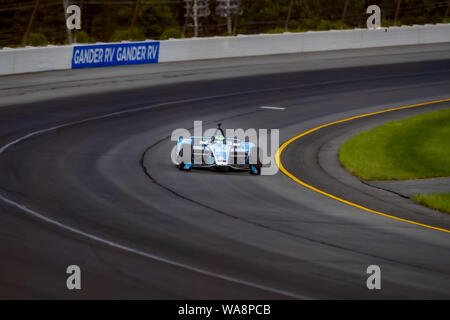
(181, 165)
(257, 166)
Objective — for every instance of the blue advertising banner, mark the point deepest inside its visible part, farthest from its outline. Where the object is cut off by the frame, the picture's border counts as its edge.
(104, 55)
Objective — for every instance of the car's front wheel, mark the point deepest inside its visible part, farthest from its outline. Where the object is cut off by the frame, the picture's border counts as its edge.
(183, 166)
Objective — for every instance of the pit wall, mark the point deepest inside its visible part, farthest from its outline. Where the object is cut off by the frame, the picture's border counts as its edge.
(36, 59)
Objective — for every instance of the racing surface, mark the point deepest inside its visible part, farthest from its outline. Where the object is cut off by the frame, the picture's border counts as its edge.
(102, 193)
(410, 188)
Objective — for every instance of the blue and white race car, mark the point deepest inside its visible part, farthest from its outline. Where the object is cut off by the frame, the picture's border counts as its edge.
(217, 152)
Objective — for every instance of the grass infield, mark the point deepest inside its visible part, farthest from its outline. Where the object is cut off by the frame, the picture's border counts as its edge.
(435, 201)
(414, 148)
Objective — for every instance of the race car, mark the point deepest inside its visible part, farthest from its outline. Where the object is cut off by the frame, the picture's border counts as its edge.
(218, 152)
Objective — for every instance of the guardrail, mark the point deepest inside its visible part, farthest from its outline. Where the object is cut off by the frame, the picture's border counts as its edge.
(30, 59)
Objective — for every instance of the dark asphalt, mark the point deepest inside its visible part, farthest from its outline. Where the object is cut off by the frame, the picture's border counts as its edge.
(409, 188)
(205, 234)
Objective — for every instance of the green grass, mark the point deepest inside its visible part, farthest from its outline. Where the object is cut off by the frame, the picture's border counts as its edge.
(435, 201)
(414, 148)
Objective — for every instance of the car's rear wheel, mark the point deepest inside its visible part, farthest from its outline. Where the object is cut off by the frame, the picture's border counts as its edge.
(255, 169)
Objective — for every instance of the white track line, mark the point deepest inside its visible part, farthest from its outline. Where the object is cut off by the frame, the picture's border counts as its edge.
(272, 108)
(117, 245)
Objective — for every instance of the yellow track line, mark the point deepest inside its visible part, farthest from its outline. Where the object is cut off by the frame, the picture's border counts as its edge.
(280, 164)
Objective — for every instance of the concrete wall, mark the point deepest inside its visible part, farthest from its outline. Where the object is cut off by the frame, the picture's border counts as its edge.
(59, 57)
(35, 59)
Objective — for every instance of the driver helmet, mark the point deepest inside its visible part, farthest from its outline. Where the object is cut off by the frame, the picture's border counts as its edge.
(219, 139)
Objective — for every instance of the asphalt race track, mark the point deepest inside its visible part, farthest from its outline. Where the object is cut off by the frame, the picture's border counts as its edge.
(101, 192)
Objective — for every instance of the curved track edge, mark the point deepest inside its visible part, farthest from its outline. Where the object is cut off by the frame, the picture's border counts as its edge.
(304, 184)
